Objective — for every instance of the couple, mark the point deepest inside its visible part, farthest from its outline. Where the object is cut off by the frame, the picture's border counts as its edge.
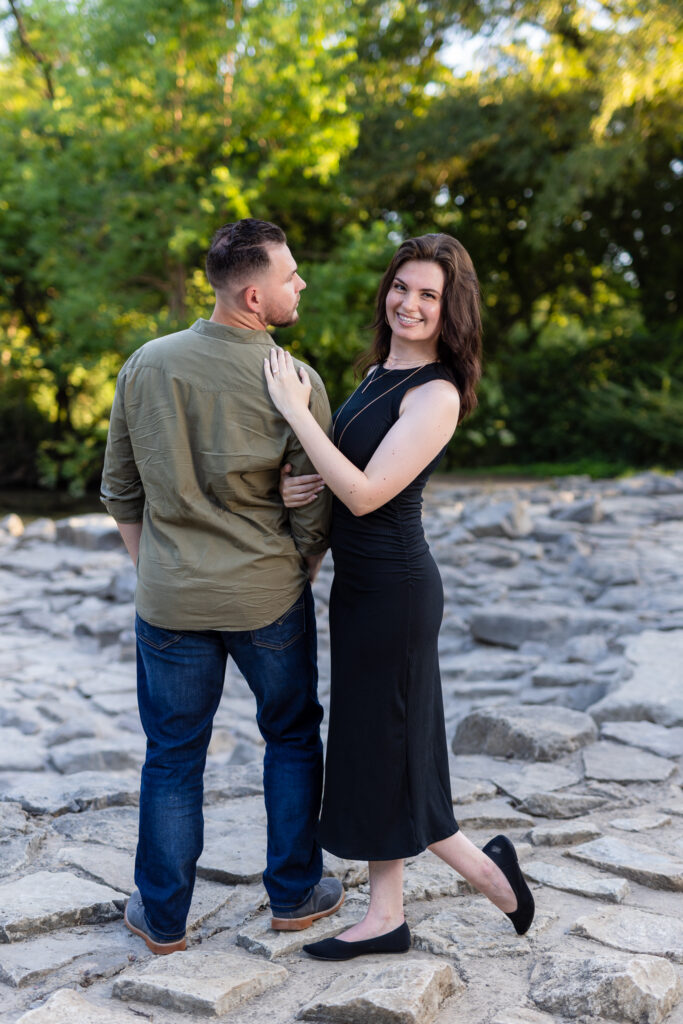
(204, 426)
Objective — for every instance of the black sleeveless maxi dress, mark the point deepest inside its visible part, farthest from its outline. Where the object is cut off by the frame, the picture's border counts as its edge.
(387, 785)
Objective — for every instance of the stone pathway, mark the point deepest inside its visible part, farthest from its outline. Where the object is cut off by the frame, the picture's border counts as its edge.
(561, 655)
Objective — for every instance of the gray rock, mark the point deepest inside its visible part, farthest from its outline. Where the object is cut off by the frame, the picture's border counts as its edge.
(642, 989)
(473, 927)
(13, 820)
(98, 755)
(532, 733)
(485, 664)
(640, 863)
(44, 793)
(588, 649)
(104, 864)
(12, 525)
(206, 982)
(116, 703)
(564, 835)
(648, 484)
(523, 1015)
(258, 937)
(486, 814)
(653, 693)
(94, 532)
(561, 805)
(467, 791)
(47, 900)
(613, 890)
(520, 781)
(655, 738)
(613, 762)
(380, 993)
(585, 510)
(512, 625)
(66, 1006)
(18, 851)
(19, 753)
(549, 674)
(229, 861)
(103, 620)
(499, 519)
(25, 963)
(231, 781)
(637, 931)
(40, 529)
(122, 585)
(618, 568)
(351, 873)
(111, 827)
(428, 878)
(641, 823)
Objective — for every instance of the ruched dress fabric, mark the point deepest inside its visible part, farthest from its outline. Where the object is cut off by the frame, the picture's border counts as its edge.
(387, 785)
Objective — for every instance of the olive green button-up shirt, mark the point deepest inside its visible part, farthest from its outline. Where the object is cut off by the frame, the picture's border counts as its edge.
(194, 450)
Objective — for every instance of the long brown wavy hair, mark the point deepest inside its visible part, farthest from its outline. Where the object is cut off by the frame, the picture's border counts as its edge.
(459, 346)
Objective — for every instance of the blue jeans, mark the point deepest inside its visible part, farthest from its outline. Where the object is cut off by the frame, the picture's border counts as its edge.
(180, 682)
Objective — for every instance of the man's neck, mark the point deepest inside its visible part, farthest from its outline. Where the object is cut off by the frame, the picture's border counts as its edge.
(223, 314)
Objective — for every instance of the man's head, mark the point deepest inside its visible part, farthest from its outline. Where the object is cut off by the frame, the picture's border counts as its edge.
(254, 274)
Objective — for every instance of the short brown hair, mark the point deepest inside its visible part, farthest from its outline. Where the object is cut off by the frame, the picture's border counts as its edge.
(239, 248)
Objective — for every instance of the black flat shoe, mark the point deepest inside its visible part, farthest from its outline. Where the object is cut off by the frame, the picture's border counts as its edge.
(397, 941)
(501, 851)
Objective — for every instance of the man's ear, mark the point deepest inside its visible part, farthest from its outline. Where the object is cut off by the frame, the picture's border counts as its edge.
(252, 298)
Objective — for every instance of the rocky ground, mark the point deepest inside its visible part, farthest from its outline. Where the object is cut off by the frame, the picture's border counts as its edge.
(561, 648)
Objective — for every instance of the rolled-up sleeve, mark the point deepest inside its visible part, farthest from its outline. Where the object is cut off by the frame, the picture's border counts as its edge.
(121, 491)
(310, 525)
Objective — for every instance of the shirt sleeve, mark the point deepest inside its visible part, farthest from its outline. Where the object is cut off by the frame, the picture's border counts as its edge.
(121, 491)
(310, 525)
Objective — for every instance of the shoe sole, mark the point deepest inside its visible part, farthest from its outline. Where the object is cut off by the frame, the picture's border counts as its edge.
(160, 948)
(297, 924)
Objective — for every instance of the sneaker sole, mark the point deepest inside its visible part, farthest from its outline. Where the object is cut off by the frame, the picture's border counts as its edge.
(160, 948)
(297, 924)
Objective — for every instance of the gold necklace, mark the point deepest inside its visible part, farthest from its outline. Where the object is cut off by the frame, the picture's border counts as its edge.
(392, 388)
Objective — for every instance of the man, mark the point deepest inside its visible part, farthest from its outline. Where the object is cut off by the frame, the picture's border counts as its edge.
(191, 476)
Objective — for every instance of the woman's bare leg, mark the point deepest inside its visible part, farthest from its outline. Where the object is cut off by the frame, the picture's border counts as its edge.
(385, 912)
(477, 869)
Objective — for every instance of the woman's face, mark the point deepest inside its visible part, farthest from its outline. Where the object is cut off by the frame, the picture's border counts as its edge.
(413, 305)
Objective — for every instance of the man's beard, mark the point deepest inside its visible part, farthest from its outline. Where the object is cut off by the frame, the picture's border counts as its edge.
(278, 318)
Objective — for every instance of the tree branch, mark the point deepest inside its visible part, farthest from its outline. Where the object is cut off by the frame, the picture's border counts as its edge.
(42, 61)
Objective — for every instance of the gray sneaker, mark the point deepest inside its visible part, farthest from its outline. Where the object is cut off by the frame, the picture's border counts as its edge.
(326, 898)
(136, 922)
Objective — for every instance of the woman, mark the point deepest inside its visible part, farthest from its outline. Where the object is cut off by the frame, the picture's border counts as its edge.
(387, 790)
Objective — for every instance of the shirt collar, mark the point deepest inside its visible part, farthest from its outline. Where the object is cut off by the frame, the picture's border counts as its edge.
(224, 332)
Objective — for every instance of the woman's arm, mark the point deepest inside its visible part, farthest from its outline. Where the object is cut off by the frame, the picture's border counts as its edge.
(427, 421)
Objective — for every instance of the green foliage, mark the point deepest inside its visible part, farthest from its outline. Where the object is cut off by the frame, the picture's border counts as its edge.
(130, 131)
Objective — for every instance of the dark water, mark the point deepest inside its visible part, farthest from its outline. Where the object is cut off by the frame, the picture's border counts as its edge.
(34, 504)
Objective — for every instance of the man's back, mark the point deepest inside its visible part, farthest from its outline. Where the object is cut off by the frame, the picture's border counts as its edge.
(195, 448)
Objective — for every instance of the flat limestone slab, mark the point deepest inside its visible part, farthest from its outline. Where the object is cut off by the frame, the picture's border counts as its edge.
(103, 863)
(614, 762)
(495, 813)
(473, 927)
(204, 982)
(653, 693)
(655, 738)
(527, 732)
(641, 989)
(523, 1015)
(48, 793)
(48, 900)
(68, 1007)
(641, 822)
(564, 835)
(637, 931)
(640, 863)
(614, 890)
(410, 992)
(258, 937)
(428, 878)
(25, 963)
(520, 781)
(19, 752)
(561, 805)
(239, 857)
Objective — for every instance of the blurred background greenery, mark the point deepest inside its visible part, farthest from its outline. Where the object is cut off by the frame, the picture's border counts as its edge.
(545, 136)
